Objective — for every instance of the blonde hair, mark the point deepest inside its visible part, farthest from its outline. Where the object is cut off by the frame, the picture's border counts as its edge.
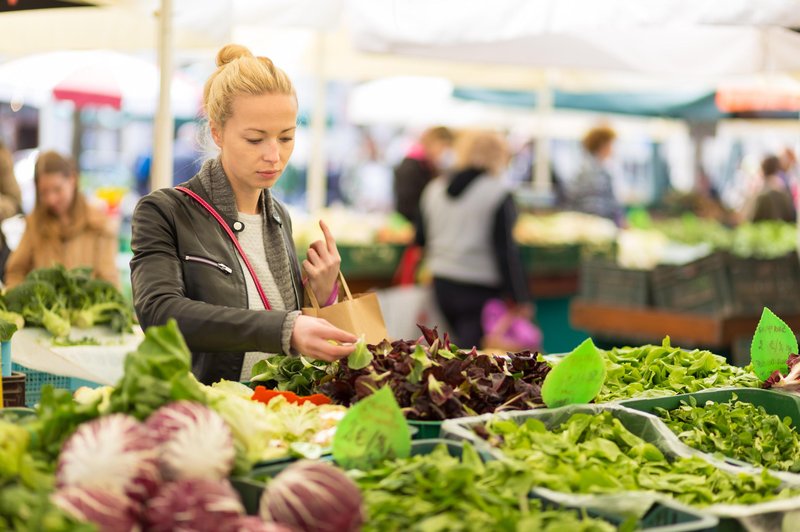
(43, 223)
(484, 150)
(240, 72)
(597, 138)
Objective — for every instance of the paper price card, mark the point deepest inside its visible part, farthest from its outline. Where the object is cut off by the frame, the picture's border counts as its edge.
(373, 430)
(575, 380)
(772, 344)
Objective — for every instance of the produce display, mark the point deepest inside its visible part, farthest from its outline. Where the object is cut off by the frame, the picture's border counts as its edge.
(656, 371)
(352, 228)
(440, 492)
(432, 379)
(595, 453)
(691, 230)
(764, 240)
(57, 299)
(736, 429)
(563, 228)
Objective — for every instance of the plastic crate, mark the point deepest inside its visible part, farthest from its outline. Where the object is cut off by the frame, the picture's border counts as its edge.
(36, 380)
(551, 260)
(378, 261)
(663, 516)
(774, 283)
(425, 430)
(702, 286)
(605, 282)
(14, 390)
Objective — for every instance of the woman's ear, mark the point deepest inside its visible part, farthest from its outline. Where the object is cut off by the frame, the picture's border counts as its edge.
(216, 134)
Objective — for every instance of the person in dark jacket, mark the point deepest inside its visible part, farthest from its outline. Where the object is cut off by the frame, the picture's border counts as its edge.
(466, 230)
(775, 201)
(593, 189)
(185, 261)
(420, 166)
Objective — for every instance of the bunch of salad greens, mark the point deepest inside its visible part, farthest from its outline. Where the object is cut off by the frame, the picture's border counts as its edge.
(736, 429)
(657, 371)
(595, 453)
(440, 492)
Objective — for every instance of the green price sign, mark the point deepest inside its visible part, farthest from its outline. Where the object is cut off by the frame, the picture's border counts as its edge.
(575, 380)
(772, 344)
(373, 430)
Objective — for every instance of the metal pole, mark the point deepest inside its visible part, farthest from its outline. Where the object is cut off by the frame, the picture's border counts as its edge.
(317, 186)
(541, 172)
(164, 134)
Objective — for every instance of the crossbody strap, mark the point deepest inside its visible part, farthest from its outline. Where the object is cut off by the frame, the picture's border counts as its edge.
(203, 203)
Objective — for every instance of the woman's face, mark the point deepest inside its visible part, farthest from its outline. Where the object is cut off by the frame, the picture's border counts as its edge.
(258, 139)
(56, 192)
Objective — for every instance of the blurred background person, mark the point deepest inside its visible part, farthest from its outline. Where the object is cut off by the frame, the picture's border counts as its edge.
(592, 191)
(63, 228)
(10, 201)
(424, 161)
(466, 228)
(774, 201)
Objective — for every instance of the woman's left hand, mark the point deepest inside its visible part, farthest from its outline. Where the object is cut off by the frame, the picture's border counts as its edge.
(322, 265)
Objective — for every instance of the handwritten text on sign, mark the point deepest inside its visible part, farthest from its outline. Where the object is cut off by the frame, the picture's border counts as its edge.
(575, 380)
(373, 430)
(772, 344)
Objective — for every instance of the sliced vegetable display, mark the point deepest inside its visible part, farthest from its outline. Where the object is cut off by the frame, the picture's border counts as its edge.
(441, 492)
(595, 453)
(656, 371)
(736, 429)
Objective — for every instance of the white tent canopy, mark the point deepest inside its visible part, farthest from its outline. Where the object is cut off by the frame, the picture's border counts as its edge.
(696, 39)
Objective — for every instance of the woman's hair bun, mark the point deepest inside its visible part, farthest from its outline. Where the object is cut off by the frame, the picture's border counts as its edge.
(232, 52)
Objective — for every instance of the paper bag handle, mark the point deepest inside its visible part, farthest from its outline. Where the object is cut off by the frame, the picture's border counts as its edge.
(313, 297)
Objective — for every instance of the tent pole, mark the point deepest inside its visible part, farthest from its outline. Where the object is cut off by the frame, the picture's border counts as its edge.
(164, 134)
(544, 108)
(317, 176)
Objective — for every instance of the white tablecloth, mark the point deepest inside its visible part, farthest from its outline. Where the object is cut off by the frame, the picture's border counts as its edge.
(33, 348)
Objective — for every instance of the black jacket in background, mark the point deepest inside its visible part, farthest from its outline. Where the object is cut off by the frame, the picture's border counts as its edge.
(410, 179)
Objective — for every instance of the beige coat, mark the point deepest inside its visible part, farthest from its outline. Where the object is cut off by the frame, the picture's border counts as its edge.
(91, 241)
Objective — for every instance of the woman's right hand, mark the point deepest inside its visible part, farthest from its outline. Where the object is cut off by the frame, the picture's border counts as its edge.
(311, 337)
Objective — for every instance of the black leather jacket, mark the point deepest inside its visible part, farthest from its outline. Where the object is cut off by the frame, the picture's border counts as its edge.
(185, 267)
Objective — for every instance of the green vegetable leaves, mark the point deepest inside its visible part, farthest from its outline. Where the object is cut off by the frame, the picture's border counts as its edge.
(157, 373)
(737, 430)
(361, 356)
(7, 330)
(290, 373)
(655, 371)
(595, 453)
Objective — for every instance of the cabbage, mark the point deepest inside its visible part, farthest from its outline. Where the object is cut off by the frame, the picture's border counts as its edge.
(195, 442)
(110, 511)
(313, 497)
(194, 505)
(114, 453)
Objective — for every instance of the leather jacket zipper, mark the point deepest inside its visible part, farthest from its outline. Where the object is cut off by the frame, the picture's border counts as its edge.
(217, 265)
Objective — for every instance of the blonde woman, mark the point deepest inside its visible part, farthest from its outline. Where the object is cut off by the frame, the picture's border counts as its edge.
(63, 228)
(217, 253)
(466, 230)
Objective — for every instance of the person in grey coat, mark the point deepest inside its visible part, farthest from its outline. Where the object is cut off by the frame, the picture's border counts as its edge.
(593, 190)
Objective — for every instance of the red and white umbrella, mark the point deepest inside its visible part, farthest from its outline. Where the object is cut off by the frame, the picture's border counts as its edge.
(94, 78)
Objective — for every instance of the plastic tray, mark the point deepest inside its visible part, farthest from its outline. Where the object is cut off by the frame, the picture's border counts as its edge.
(425, 430)
(663, 516)
(36, 380)
(604, 281)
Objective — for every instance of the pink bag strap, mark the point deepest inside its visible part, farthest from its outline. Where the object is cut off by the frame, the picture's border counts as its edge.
(203, 203)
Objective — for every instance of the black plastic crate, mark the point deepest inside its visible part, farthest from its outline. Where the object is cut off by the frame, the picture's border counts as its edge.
(604, 281)
(702, 286)
(759, 283)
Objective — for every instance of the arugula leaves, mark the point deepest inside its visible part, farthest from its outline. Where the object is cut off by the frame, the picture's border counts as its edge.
(737, 430)
(656, 371)
(595, 453)
(290, 374)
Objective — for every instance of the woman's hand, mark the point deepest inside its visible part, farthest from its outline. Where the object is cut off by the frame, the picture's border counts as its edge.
(322, 265)
(311, 337)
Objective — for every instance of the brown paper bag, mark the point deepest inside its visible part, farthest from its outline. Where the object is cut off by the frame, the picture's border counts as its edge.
(359, 314)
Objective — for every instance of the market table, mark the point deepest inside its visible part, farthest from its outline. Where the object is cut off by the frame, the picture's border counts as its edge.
(720, 333)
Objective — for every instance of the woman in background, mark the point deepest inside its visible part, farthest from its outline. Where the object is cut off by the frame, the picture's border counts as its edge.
(466, 229)
(63, 228)
(593, 189)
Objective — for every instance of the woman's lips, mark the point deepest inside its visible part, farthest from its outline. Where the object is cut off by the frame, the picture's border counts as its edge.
(269, 174)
